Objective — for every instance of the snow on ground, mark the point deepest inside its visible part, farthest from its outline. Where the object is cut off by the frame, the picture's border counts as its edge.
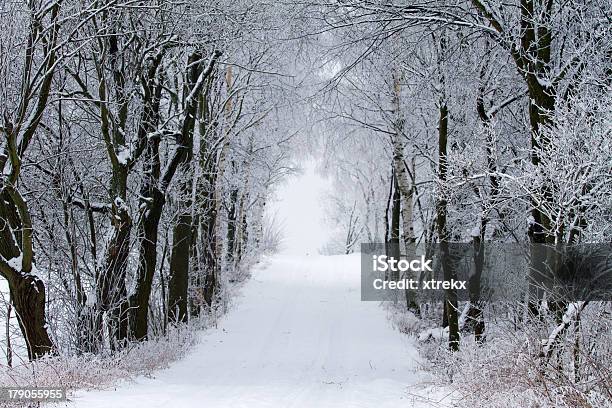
(299, 336)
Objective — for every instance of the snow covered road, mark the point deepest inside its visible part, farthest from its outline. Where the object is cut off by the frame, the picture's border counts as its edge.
(299, 336)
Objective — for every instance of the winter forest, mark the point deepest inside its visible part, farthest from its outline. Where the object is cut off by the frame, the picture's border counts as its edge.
(143, 143)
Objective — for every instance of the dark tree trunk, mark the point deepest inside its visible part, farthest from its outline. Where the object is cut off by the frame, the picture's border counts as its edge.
(475, 315)
(394, 240)
(387, 223)
(16, 230)
(181, 246)
(242, 225)
(209, 245)
(449, 272)
(152, 205)
(9, 346)
(139, 300)
(232, 225)
(27, 291)
(182, 233)
(28, 298)
(541, 106)
(206, 245)
(532, 56)
(182, 240)
(112, 292)
(178, 281)
(111, 287)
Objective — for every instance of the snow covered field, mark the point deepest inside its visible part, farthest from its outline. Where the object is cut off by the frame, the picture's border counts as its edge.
(298, 337)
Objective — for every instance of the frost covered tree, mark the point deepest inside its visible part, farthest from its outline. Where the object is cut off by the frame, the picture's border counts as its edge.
(26, 93)
(509, 71)
(155, 128)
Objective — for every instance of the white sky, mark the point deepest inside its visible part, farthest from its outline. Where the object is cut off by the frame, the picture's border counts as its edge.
(298, 206)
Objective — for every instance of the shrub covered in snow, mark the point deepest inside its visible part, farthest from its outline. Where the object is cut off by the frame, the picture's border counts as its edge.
(512, 369)
(92, 371)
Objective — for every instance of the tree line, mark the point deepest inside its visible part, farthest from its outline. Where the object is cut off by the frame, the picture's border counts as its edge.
(491, 122)
(140, 142)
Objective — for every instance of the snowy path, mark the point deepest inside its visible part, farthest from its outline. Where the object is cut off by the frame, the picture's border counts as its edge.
(298, 337)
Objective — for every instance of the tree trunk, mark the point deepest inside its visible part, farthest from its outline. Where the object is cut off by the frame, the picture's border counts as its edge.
(388, 206)
(17, 266)
(182, 233)
(151, 207)
(9, 346)
(449, 272)
(147, 265)
(28, 298)
(112, 292)
(241, 235)
(403, 182)
(232, 225)
(395, 228)
(209, 246)
(532, 56)
(181, 161)
(178, 281)
(475, 315)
